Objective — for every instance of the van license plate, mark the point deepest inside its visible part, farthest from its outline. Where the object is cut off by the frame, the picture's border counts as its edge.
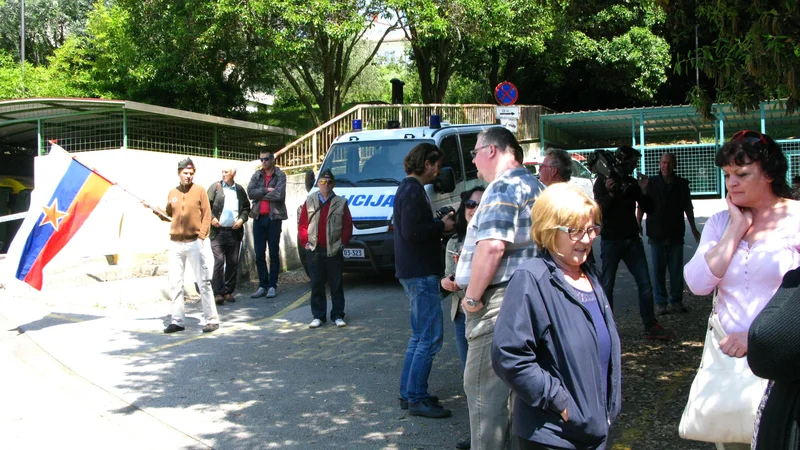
(353, 252)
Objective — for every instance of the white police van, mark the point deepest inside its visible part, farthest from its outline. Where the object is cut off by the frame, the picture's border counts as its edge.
(368, 166)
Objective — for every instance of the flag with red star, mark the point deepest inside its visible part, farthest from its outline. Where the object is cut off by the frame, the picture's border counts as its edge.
(73, 199)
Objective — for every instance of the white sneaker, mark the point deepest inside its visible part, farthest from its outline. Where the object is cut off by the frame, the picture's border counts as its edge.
(271, 293)
(316, 323)
(340, 323)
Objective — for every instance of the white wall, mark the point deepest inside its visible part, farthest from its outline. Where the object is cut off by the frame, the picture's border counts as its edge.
(120, 225)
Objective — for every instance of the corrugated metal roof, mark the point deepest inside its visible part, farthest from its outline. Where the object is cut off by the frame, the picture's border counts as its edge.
(19, 118)
(661, 123)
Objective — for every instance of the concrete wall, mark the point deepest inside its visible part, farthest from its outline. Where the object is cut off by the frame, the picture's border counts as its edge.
(120, 225)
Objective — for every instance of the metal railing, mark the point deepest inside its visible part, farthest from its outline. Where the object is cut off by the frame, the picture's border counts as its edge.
(309, 150)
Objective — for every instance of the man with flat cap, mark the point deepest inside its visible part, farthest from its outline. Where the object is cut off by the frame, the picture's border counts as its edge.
(190, 213)
(324, 229)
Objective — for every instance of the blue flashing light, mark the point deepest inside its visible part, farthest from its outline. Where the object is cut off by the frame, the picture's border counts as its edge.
(357, 125)
(436, 121)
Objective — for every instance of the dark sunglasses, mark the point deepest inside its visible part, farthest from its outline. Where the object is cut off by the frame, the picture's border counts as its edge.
(750, 137)
(471, 204)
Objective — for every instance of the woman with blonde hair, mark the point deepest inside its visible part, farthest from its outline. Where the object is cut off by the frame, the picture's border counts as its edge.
(555, 340)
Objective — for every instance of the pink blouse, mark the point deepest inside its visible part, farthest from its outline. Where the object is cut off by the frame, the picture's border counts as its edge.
(754, 275)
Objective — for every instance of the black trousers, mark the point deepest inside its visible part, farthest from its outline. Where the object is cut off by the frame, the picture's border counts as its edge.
(225, 247)
(322, 269)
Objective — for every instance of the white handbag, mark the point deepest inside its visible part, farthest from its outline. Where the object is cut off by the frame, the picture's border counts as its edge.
(724, 396)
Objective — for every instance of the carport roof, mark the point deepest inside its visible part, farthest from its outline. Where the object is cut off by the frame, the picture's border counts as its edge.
(664, 121)
(18, 118)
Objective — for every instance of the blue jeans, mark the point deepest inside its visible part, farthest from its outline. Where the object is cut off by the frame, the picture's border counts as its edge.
(667, 257)
(459, 327)
(426, 336)
(267, 231)
(631, 251)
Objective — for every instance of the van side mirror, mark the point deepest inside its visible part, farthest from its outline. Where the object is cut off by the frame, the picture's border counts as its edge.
(446, 181)
(309, 180)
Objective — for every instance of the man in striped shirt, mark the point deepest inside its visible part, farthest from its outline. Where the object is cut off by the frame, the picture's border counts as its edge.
(497, 242)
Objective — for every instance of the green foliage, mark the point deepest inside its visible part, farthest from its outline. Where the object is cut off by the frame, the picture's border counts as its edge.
(48, 23)
(38, 81)
(753, 53)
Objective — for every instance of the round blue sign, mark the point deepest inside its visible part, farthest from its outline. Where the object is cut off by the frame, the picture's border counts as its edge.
(506, 93)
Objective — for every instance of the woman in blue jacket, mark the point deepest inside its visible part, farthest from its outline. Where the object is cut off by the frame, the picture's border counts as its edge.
(555, 342)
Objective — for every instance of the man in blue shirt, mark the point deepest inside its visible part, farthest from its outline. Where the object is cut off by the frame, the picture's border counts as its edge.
(418, 265)
(229, 210)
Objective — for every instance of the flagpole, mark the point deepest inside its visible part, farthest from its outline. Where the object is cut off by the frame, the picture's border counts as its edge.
(156, 210)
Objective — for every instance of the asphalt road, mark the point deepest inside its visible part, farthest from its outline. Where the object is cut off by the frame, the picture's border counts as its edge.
(89, 365)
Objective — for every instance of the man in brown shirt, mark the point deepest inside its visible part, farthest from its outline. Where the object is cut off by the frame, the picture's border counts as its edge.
(190, 210)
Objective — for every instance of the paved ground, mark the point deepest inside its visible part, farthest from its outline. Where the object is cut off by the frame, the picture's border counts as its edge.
(90, 365)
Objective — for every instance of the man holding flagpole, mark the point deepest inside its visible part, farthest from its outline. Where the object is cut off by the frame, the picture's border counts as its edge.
(190, 210)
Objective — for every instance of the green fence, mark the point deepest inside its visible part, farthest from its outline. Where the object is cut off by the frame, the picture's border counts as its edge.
(696, 163)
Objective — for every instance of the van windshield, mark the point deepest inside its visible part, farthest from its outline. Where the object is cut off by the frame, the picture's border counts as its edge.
(373, 163)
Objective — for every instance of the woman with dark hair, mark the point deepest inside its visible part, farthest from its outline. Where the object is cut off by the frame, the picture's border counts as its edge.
(466, 210)
(745, 250)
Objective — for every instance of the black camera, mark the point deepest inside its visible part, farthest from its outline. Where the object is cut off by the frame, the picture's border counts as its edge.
(444, 210)
(618, 166)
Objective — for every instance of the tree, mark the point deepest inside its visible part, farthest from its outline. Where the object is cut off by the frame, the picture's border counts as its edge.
(316, 43)
(602, 54)
(754, 54)
(436, 30)
(179, 54)
(48, 23)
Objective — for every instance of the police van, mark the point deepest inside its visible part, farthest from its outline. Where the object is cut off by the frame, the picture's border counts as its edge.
(368, 167)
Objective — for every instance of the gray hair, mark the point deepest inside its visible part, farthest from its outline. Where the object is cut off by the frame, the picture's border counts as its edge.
(562, 161)
(503, 139)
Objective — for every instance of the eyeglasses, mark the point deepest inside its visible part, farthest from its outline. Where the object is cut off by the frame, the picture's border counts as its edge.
(750, 137)
(267, 158)
(474, 153)
(576, 234)
(323, 182)
(471, 204)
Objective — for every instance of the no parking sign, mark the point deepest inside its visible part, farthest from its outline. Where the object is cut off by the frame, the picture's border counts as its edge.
(506, 93)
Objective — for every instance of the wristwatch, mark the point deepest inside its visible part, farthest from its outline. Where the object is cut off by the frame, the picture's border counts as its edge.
(472, 303)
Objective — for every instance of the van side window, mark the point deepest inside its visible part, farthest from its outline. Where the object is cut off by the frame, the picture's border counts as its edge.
(449, 146)
(468, 141)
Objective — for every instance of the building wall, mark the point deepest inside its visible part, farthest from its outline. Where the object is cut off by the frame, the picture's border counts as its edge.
(121, 226)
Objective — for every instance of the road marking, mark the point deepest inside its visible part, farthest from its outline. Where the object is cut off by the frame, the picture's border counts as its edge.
(632, 434)
(231, 329)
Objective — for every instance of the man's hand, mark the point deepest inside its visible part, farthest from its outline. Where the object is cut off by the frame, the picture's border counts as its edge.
(238, 224)
(214, 222)
(270, 189)
(449, 284)
(734, 344)
(611, 186)
(449, 222)
(644, 183)
(308, 246)
(565, 415)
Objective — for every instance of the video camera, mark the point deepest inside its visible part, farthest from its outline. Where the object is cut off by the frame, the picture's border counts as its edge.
(444, 210)
(618, 166)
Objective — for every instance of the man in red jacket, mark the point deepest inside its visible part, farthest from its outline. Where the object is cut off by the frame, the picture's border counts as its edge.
(324, 228)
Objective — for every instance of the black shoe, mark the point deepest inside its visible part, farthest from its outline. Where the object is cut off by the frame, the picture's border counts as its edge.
(210, 327)
(428, 408)
(465, 444)
(229, 298)
(404, 402)
(662, 309)
(678, 308)
(656, 332)
(173, 328)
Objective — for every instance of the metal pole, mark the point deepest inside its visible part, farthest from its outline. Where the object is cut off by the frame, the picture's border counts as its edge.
(696, 58)
(22, 43)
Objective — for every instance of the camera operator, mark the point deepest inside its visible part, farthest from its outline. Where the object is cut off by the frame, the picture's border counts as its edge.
(617, 193)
